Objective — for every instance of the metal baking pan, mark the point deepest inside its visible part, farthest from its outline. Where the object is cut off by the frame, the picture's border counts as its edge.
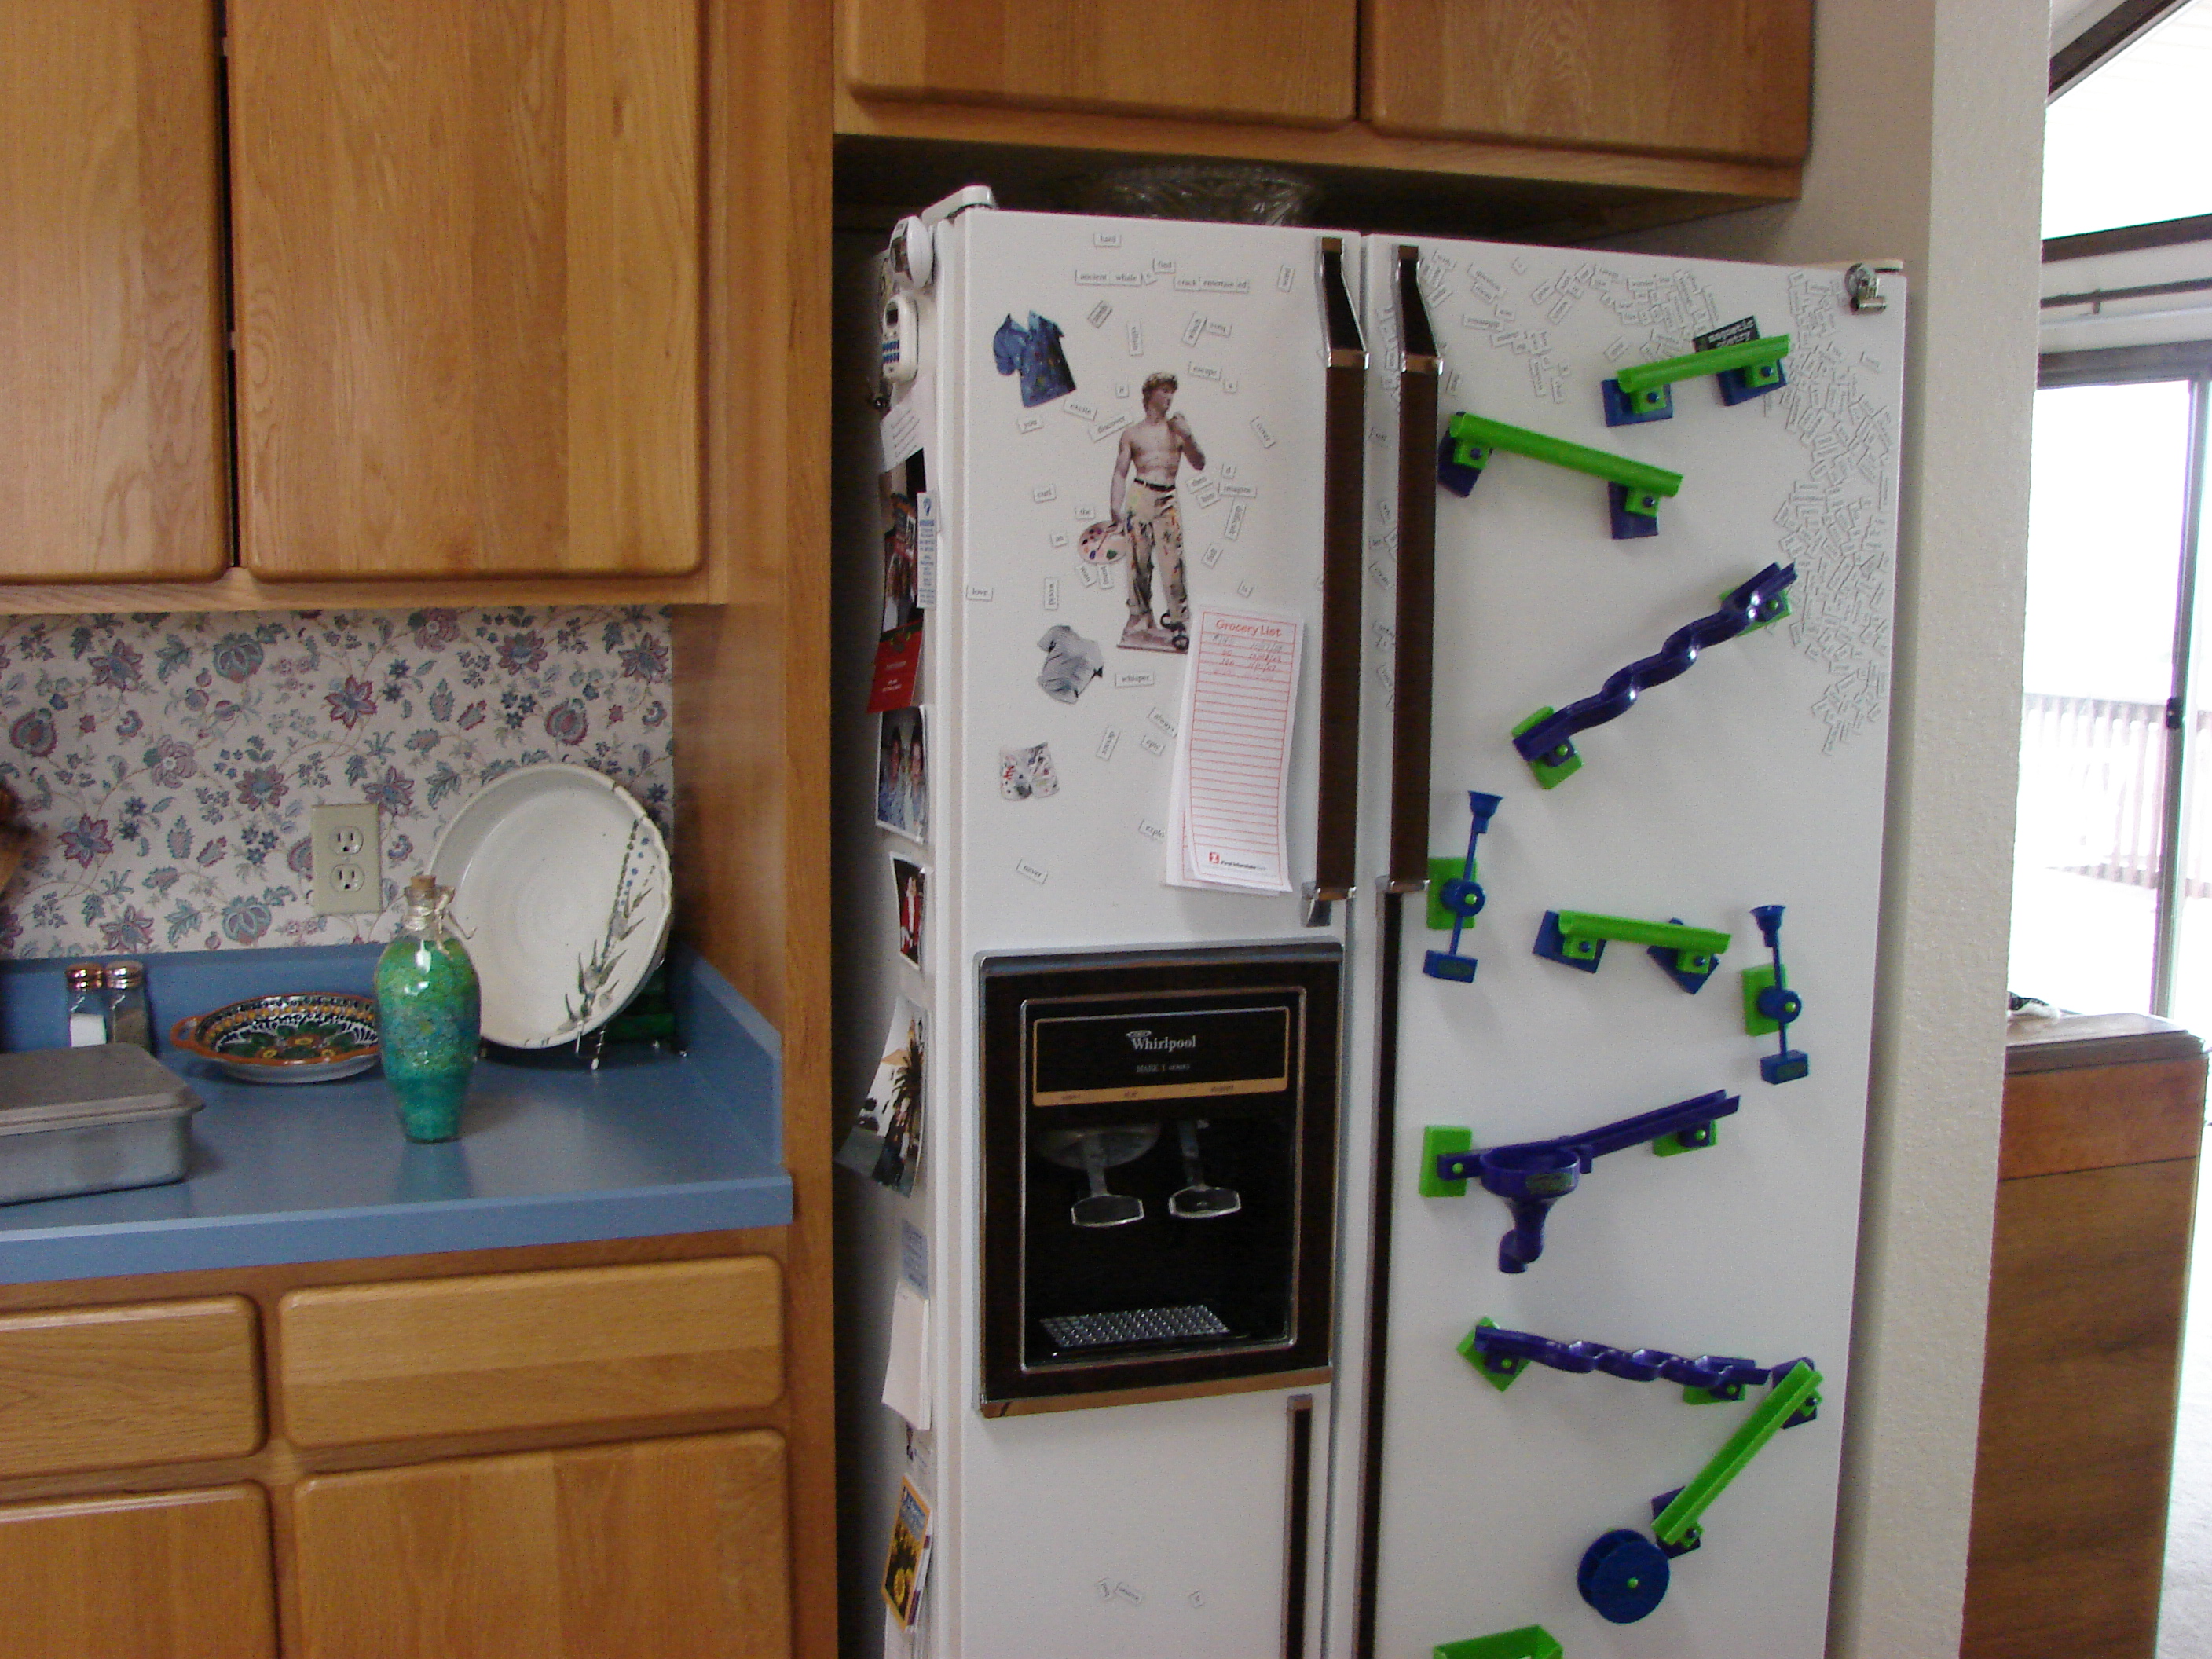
(92, 1120)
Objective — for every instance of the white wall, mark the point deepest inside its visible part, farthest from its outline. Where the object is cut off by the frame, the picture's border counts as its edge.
(1927, 146)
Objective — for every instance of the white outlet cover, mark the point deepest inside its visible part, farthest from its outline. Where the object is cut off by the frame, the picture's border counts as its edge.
(348, 865)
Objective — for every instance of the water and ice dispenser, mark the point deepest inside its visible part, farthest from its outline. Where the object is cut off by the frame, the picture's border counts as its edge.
(1159, 1167)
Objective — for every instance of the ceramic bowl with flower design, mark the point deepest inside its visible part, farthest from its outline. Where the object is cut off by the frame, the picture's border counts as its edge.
(294, 1037)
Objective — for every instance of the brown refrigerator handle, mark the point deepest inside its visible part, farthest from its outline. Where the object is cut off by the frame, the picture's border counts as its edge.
(1413, 679)
(1336, 819)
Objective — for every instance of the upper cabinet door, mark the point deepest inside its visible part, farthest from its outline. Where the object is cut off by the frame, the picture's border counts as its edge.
(112, 451)
(467, 267)
(1726, 78)
(1266, 60)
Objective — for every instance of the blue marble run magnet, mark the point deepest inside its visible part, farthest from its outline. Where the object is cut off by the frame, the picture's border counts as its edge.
(1770, 1006)
(1500, 1356)
(1545, 739)
(1532, 1175)
(1458, 897)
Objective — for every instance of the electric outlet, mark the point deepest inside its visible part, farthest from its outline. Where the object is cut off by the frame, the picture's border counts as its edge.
(349, 867)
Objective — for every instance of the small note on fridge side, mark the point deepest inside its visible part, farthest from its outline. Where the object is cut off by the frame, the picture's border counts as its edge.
(1232, 770)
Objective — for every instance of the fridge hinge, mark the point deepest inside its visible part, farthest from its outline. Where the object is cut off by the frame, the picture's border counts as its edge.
(1862, 284)
(1318, 903)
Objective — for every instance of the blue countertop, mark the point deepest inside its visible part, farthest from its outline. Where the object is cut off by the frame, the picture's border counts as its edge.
(549, 1152)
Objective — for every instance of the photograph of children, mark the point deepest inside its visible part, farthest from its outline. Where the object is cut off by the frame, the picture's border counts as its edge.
(884, 1143)
(903, 776)
(908, 1565)
(910, 881)
(898, 648)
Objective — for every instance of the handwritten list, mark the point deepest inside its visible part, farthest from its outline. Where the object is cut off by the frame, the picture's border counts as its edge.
(1232, 771)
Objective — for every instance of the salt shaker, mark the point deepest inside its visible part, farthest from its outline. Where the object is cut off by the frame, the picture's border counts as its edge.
(126, 1004)
(88, 1004)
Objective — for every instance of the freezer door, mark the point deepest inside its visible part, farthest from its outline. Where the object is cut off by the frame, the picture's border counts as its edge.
(1703, 768)
(1146, 424)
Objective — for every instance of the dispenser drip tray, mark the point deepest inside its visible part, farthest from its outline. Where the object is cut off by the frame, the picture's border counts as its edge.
(1072, 1333)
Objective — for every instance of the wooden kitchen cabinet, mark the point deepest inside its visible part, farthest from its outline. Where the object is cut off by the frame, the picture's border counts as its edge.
(1537, 119)
(1689, 77)
(467, 253)
(520, 1350)
(150, 1382)
(2104, 1116)
(573, 1452)
(1263, 60)
(171, 1575)
(671, 1548)
(113, 453)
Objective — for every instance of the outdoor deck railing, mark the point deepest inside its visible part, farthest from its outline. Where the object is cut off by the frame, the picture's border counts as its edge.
(2092, 771)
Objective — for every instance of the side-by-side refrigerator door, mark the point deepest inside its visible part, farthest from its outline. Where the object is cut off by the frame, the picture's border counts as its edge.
(1606, 1214)
(1141, 708)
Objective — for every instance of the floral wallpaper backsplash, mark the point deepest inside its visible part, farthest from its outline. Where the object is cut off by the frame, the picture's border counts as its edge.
(167, 762)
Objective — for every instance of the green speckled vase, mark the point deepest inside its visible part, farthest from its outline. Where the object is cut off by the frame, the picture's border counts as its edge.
(426, 1014)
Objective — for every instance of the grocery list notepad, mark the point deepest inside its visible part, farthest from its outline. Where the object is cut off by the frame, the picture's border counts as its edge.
(1232, 770)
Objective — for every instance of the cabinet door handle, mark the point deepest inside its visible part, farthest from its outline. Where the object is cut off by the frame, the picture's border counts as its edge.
(1412, 678)
(1336, 817)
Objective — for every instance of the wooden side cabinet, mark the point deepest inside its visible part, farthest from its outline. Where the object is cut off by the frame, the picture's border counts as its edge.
(467, 256)
(1259, 60)
(174, 1574)
(583, 1451)
(1722, 78)
(113, 461)
(2104, 1116)
(669, 1548)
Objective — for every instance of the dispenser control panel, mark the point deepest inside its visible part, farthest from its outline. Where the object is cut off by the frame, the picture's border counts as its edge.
(1159, 1153)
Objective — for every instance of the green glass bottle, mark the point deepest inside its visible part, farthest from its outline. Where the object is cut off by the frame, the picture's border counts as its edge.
(426, 1015)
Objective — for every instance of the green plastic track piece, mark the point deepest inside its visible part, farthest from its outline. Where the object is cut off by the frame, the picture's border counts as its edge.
(1763, 353)
(1440, 872)
(1529, 1642)
(1688, 1140)
(1756, 981)
(1548, 776)
(1474, 437)
(1696, 949)
(1678, 1521)
(1437, 1140)
(1500, 1371)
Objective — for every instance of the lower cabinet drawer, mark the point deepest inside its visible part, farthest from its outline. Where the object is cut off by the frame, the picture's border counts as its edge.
(115, 1387)
(170, 1574)
(362, 1363)
(663, 1549)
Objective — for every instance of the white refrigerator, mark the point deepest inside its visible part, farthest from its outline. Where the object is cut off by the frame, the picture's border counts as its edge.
(1150, 1066)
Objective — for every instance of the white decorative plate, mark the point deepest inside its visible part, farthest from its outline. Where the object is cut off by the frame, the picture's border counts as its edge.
(561, 893)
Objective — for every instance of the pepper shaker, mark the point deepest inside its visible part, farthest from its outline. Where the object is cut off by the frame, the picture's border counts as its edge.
(127, 1020)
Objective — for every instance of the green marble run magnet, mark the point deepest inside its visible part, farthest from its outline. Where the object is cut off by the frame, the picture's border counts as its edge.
(1625, 1574)
(1529, 1642)
(1743, 369)
(1633, 489)
(1577, 938)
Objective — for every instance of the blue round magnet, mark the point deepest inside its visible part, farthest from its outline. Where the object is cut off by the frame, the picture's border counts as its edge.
(1624, 1575)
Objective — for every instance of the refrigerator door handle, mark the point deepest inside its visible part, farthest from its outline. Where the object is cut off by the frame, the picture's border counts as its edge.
(1412, 675)
(1336, 817)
